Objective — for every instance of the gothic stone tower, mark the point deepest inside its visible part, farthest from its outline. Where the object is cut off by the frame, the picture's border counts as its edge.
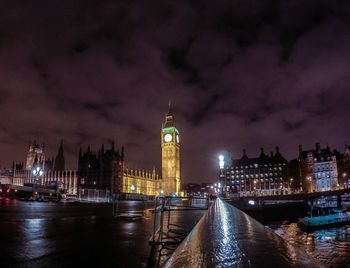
(35, 156)
(170, 156)
(59, 161)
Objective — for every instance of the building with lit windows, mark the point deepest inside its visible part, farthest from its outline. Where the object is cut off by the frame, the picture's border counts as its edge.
(106, 170)
(262, 175)
(319, 170)
(343, 164)
(39, 169)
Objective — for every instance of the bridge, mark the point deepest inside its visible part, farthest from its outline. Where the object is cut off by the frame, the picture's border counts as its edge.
(289, 206)
(227, 237)
(300, 196)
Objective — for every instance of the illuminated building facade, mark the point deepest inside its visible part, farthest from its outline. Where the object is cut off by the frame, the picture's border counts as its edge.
(319, 170)
(345, 172)
(263, 175)
(106, 170)
(343, 164)
(170, 142)
(35, 156)
(139, 181)
(38, 169)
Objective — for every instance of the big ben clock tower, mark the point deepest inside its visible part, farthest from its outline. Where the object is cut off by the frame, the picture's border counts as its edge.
(170, 141)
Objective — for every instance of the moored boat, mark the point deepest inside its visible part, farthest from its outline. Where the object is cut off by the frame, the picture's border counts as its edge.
(323, 222)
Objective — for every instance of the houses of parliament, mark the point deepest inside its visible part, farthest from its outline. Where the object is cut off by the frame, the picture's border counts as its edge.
(106, 169)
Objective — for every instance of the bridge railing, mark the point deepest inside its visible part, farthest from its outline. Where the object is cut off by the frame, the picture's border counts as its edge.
(227, 237)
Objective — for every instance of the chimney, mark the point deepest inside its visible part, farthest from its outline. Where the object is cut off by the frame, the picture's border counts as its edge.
(271, 154)
(300, 148)
(244, 153)
(262, 151)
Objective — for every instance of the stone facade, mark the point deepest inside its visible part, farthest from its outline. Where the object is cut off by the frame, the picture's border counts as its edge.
(64, 180)
(319, 170)
(142, 182)
(263, 175)
(170, 142)
(35, 155)
(106, 170)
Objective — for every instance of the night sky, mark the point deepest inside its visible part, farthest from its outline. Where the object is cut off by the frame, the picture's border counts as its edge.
(239, 74)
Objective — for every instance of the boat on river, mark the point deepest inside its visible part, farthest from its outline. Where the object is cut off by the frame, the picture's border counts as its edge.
(339, 218)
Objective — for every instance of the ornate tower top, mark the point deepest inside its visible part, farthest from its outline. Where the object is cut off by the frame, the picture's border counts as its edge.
(59, 161)
(35, 155)
(169, 118)
(170, 143)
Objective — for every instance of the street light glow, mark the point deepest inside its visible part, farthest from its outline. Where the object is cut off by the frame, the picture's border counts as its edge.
(221, 161)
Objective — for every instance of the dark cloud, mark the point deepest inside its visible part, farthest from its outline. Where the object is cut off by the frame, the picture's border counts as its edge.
(240, 74)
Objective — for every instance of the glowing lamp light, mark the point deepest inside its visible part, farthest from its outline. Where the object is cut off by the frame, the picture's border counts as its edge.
(221, 161)
(132, 187)
(162, 191)
(251, 202)
(38, 171)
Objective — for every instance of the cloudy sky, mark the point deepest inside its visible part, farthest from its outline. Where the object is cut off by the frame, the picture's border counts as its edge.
(239, 74)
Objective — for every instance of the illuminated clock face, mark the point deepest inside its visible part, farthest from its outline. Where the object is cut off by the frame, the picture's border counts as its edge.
(177, 139)
(168, 137)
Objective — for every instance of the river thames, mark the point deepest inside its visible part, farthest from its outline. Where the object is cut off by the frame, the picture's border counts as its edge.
(331, 246)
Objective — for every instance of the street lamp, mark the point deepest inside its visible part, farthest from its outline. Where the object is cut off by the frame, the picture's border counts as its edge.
(132, 187)
(345, 180)
(221, 161)
(222, 177)
(309, 178)
(37, 173)
(290, 184)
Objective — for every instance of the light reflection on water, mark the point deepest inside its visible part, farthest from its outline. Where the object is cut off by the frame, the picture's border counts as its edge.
(33, 234)
(330, 246)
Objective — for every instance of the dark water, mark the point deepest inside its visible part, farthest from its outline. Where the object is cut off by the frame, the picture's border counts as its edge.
(73, 235)
(331, 247)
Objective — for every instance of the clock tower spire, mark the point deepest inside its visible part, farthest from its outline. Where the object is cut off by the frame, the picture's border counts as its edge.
(170, 142)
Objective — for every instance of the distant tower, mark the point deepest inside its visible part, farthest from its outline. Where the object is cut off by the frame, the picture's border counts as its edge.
(170, 143)
(35, 155)
(59, 160)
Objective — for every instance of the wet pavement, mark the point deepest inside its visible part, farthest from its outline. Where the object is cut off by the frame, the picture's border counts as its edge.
(74, 234)
(71, 235)
(227, 237)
